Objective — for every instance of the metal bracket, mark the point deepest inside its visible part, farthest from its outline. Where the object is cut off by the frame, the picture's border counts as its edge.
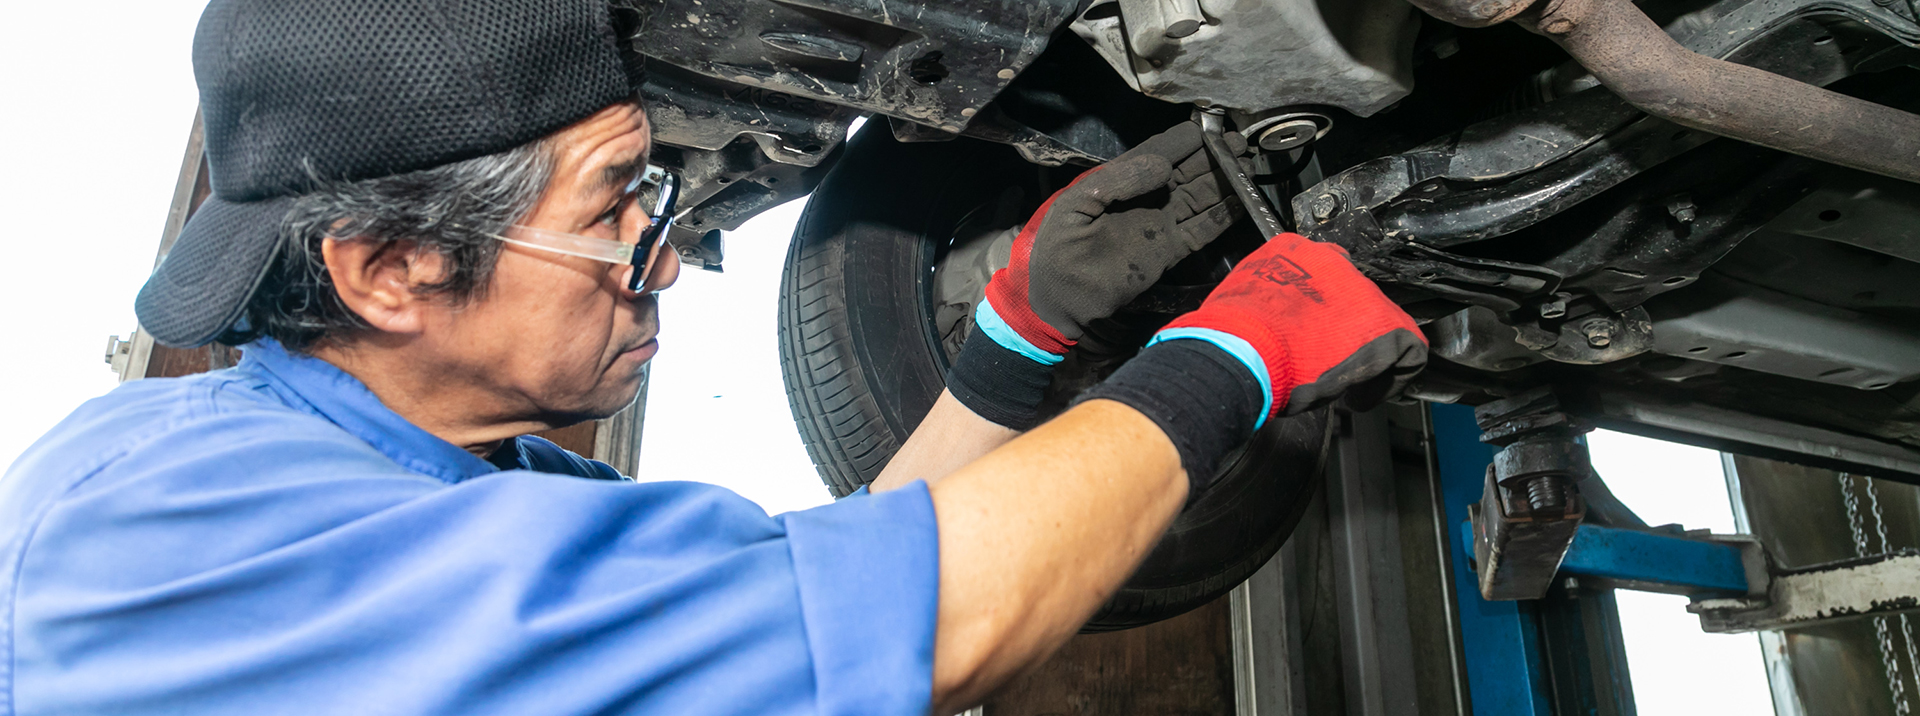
(1530, 507)
(1517, 555)
(1670, 561)
(1835, 591)
(1730, 577)
(707, 253)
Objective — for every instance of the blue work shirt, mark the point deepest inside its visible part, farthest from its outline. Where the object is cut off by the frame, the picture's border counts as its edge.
(272, 539)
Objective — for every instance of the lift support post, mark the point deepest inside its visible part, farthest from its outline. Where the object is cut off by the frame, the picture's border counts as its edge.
(1517, 649)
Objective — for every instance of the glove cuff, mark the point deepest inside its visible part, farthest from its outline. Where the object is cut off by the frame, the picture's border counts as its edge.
(997, 383)
(1243, 352)
(988, 322)
(1201, 395)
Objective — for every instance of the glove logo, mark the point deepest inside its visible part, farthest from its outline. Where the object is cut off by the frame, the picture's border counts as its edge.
(1283, 271)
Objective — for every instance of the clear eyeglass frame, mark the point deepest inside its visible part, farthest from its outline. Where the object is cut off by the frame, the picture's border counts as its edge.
(655, 186)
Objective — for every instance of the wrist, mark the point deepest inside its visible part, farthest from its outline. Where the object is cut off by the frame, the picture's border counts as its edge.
(998, 384)
(1263, 353)
(1248, 358)
(1201, 395)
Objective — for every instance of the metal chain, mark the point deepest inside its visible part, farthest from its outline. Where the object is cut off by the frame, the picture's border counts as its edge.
(1879, 519)
(1892, 664)
(1886, 547)
(1855, 522)
(1853, 515)
(1913, 652)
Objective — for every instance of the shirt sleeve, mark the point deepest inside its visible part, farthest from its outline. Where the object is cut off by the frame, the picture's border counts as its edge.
(266, 571)
(869, 616)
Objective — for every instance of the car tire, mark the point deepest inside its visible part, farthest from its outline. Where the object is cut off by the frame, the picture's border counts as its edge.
(867, 327)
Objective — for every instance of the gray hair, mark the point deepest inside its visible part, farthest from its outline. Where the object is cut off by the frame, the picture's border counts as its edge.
(453, 210)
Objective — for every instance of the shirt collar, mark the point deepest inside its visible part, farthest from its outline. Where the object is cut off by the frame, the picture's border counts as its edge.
(317, 387)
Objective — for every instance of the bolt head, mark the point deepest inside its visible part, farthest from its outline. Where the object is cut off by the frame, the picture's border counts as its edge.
(1683, 210)
(1599, 332)
(1325, 206)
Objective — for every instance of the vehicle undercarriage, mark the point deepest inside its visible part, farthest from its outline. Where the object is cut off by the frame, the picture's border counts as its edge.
(1691, 219)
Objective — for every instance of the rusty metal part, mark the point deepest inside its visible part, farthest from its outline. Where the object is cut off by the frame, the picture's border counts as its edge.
(1517, 551)
(1637, 60)
(1256, 55)
(1531, 506)
(1473, 13)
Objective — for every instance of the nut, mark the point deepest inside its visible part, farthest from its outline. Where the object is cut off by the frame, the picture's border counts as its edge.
(1291, 134)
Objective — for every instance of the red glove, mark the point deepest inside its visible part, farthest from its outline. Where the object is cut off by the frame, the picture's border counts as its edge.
(1292, 328)
(1309, 327)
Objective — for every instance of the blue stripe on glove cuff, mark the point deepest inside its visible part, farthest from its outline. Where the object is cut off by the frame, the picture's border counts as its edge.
(1235, 346)
(989, 322)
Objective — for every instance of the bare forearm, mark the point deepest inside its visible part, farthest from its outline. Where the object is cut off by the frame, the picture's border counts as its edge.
(1035, 535)
(948, 438)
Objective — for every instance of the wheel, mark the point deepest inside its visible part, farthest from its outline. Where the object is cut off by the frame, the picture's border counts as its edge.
(887, 262)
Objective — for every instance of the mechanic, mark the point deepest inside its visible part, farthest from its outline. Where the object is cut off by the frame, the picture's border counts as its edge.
(434, 230)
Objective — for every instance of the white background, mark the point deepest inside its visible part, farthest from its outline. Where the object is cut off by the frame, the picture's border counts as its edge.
(97, 99)
(1677, 669)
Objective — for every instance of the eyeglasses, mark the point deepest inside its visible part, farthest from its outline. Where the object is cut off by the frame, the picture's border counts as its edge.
(654, 186)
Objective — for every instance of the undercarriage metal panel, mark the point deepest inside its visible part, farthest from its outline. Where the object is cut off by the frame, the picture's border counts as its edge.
(1513, 171)
(1261, 54)
(1859, 210)
(937, 63)
(1566, 188)
(1830, 273)
(1731, 323)
(1693, 423)
(686, 110)
(750, 99)
(739, 149)
(1704, 31)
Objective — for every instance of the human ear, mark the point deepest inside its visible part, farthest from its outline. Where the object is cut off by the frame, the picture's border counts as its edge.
(375, 280)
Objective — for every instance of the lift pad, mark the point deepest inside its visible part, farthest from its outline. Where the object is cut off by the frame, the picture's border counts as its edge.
(1729, 579)
(1835, 591)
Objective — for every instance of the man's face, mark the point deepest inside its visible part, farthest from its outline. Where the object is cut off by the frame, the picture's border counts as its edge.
(556, 337)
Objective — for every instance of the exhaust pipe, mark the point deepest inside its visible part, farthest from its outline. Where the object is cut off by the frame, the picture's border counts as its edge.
(1635, 59)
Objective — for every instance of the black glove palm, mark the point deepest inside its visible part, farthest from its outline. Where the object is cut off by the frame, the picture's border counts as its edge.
(1108, 236)
(1090, 249)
